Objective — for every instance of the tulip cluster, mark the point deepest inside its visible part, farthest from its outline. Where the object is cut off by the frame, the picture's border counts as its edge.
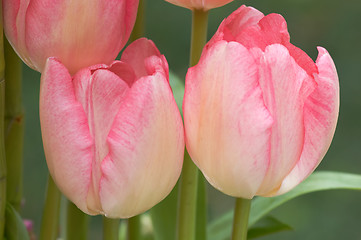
(259, 113)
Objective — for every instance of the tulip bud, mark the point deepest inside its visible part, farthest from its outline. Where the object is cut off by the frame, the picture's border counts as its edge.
(200, 4)
(259, 114)
(79, 33)
(113, 135)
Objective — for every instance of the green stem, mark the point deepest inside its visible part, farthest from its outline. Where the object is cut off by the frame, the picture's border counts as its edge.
(201, 218)
(134, 228)
(138, 30)
(199, 35)
(240, 219)
(76, 224)
(187, 205)
(110, 228)
(14, 127)
(2, 139)
(50, 220)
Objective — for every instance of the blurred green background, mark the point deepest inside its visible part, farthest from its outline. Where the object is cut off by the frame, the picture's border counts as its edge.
(333, 24)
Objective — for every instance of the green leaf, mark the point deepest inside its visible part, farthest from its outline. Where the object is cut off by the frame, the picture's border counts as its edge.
(318, 181)
(178, 89)
(14, 225)
(267, 226)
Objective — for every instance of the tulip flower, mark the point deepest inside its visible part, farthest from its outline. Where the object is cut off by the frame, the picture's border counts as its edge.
(259, 113)
(200, 4)
(113, 135)
(79, 33)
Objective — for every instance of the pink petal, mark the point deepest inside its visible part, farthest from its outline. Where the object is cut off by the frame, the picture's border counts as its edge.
(80, 33)
(138, 53)
(227, 125)
(321, 112)
(242, 18)
(124, 71)
(285, 86)
(67, 142)
(250, 28)
(106, 94)
(146, 145)
(14, 26)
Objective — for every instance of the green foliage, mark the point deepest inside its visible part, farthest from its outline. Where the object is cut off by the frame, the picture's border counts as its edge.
(266, 226)
(178, 89)
(318, 181)
(14, 225)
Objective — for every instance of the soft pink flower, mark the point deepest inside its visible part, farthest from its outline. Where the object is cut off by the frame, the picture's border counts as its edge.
(79, 33)
(200, 4)
(113, 135)
(259, 114)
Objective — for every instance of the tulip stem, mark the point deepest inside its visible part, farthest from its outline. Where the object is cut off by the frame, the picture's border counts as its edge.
(2, 139)
(50, 219)
(187, 204)
(110, 228)
(76, 224)
(134, 228)
(14, 127)
(199, 35)
(240, 219)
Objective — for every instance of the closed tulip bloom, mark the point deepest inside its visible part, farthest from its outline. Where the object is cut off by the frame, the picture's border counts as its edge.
(113, 135)
(79, 33)
(259, 114)
(200, 4)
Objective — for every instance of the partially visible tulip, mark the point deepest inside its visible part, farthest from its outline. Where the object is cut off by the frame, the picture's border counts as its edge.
(200, 4)
(259, 114)
(79, 33)
(113, 135)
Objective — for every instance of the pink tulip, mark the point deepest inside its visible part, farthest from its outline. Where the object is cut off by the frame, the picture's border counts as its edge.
(79, 33)
(200, 4)
(259, 114)
(113, 135)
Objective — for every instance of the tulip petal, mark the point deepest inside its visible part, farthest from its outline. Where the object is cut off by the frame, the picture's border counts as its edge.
(138, 53)
(285, 86)
(146, 145)
(106, 93)
(242, 18)
(321, 112)
(226, 122)
(67, 141)
(77, 30)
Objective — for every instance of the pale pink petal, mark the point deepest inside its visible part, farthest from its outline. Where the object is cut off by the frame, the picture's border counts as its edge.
(146, 145)
(320, 118)
(67, 142)
(226, 122)
(106, 94)
(285, 86)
